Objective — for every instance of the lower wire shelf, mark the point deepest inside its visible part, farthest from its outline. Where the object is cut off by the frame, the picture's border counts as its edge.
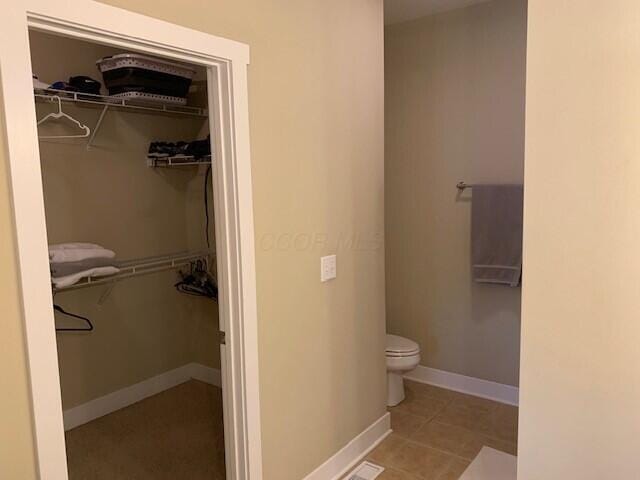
(142, 266)
(178, 161)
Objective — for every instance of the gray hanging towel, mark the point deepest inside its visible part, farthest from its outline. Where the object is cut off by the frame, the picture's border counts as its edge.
(496, 234)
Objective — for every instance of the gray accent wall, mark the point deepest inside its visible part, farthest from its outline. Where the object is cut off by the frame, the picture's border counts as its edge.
(455, 96)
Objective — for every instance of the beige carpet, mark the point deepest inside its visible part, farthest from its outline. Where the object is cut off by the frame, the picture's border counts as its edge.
(177, 434)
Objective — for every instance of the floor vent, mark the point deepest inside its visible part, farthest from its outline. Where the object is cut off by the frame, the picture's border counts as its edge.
(365, 471)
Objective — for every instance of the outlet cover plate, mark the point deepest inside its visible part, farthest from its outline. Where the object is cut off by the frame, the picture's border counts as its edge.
(327, 268)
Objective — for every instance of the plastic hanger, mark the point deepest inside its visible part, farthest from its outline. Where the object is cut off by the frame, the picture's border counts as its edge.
(88, 328)
(60, 114)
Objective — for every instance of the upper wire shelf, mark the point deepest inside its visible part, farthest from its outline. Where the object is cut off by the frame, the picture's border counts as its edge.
(108, 102)
(116, 102)
(142, 266)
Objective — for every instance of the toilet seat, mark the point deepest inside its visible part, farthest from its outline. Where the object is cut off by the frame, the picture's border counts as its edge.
(398, 347)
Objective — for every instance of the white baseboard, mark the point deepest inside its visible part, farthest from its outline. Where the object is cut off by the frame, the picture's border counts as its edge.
(205, 374)
(76, 416)
(348, 456)
(470, 385)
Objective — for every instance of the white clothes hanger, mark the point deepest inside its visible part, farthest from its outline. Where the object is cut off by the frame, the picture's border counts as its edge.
(60, 114)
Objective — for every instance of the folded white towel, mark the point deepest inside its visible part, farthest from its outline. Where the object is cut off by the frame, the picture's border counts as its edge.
(76, 252)
(68, 280)
(74, 246)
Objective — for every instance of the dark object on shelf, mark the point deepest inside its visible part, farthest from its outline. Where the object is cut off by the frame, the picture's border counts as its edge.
(128, 73)
(60, 85)
(167, 149)
(196, 149)
(198, 282)
(85, 85)
(199, 148)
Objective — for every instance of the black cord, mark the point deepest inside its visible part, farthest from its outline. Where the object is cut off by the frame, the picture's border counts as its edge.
(206, 204)
(73, 315)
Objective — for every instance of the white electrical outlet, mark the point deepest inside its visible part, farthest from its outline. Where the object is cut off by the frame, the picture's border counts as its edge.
(327, 268)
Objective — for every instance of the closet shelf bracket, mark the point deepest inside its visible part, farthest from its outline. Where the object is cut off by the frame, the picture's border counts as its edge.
(97, 127)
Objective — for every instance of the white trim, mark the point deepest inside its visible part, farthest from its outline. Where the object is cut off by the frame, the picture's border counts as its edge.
(461, 383)
(491, 464)
(349, 456)
(99, 407)
(205, 374)
(97, 22)
(226, 63)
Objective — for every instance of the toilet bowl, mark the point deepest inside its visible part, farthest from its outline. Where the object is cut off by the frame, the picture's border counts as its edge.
(403, 355)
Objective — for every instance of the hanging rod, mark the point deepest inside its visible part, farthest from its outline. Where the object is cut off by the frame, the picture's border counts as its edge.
(462, 186)
(142, 266)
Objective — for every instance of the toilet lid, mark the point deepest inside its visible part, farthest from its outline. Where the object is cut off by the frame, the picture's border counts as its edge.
(401, 346)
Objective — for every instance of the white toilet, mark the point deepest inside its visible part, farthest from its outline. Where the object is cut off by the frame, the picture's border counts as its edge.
(403, 355)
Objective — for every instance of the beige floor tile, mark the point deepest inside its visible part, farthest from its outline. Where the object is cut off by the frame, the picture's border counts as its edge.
(498, 425)
(437, 432)
(448, 438)
(466, 417)
(405, 424)
(393, 474)
(429, 390)
(501, 445)
(508, 413)
(421, 405)
(475, 403)
(382, 453)
(493, 426)
(421, 461)
(455, 470)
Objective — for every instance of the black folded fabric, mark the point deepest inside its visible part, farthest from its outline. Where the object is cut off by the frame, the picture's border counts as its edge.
(85, 84)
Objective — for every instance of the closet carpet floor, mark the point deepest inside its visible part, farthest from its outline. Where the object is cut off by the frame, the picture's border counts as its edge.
(437, 433)
(177, 434)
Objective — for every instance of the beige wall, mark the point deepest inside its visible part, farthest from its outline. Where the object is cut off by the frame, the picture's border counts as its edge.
(316, 90)
(581, 335)
(455, 90)
(108, 195)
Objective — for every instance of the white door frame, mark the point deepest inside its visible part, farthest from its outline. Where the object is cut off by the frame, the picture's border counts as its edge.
(226, 62)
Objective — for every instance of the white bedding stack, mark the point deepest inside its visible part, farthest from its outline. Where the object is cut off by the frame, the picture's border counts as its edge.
(71, 262)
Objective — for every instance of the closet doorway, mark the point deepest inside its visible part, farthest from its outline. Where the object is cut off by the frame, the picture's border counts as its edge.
(134, 223)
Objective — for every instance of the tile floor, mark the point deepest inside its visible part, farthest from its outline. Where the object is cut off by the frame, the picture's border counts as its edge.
(437, 432)
(177, 434)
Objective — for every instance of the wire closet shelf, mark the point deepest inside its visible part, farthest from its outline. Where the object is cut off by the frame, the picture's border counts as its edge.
(89, 99)
(142, 266)
(178, 161)
(110, 102)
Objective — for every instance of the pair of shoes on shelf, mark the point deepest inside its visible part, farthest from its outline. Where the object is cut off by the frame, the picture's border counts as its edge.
(167, 149)
(80, 84)
(197, 149)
